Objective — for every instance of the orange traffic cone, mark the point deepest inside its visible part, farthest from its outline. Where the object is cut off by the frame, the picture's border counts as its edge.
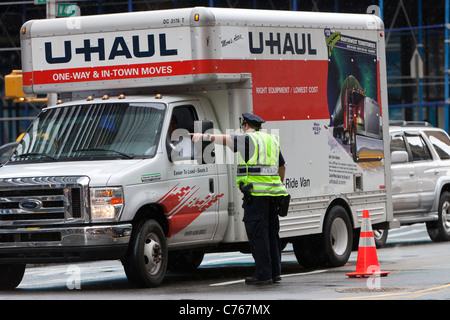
(367, 262)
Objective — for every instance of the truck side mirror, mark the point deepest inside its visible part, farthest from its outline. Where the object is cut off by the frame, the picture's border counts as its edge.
(202, 126)
(399, 157)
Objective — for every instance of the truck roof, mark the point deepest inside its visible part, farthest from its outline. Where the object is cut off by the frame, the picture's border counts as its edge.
(206, 16)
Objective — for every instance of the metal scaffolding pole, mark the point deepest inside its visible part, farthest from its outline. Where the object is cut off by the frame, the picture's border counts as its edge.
(420, 49)
(381, 5)
(447, 20)
(51, 14)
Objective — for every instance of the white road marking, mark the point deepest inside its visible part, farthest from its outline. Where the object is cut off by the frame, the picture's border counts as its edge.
(282, 276)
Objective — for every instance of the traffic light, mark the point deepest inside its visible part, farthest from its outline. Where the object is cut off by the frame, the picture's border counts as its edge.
(14, 88)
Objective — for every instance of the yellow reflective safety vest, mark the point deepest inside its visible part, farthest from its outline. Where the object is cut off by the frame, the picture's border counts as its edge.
(261, 170)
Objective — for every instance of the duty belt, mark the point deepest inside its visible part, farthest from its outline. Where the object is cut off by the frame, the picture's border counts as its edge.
(257, 170)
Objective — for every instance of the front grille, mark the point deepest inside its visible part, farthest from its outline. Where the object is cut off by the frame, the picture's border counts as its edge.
(32, 216)
(30, 237)
(76, 202)
(31, 192)
(45, 204)
(52, 202)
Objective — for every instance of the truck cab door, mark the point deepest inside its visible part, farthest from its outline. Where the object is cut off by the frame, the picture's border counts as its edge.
(404, 180)
(192, 199)
(425, 169)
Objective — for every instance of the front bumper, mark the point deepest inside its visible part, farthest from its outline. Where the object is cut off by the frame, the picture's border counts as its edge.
(64, 243)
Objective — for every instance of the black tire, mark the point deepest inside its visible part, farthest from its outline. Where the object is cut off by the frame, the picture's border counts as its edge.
(185, 260)
(11, 275)
(333, 247)
(307, 251)
(338, 237)
(146, 261)
(380, 237)
(440, 230)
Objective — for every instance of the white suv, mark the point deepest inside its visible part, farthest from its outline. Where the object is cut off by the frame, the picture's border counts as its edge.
(420, 163)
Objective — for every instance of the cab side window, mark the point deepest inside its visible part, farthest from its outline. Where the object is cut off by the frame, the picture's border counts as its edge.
(184, 117)
(398, 143)
(179, 144)
(419, 150)
(441, 143)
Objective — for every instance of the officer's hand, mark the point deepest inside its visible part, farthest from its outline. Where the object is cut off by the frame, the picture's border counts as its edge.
(197, 137)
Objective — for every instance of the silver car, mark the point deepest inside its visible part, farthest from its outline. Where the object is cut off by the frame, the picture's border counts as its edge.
(420, 163)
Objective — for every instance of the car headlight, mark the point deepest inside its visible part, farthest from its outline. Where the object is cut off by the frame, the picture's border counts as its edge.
(106, 203)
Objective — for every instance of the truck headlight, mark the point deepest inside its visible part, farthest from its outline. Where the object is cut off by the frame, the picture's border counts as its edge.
(106, 203)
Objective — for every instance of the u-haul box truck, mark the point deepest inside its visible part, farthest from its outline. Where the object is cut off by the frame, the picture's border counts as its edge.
(105, 175)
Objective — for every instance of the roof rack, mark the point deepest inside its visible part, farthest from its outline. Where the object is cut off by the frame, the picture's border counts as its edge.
(403, 123)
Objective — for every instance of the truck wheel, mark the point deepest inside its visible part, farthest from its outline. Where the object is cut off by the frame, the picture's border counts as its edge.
(146, 261)
(185, 260)
(440, 230)
(380, 237)
(337, 237)
(307, 251)
(11, 275)
(332, 248)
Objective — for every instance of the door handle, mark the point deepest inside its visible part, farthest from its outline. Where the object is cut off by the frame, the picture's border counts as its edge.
(411, 173)
(211, 185)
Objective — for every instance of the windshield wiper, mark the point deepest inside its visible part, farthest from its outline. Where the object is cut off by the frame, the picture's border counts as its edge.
(36, 154)
(129, 156)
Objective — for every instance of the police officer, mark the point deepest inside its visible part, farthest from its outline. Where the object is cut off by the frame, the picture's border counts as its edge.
(260, 173)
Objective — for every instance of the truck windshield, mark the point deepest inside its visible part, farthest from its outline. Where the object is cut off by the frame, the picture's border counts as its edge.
(95, 131)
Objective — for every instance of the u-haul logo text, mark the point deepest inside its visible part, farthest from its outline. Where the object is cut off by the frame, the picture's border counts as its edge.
(97, 49)
(281, 43)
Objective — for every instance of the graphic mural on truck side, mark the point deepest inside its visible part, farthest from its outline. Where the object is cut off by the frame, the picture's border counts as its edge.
(354, 95)
(182, 206)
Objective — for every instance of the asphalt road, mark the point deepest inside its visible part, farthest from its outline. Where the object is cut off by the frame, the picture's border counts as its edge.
(419, 269)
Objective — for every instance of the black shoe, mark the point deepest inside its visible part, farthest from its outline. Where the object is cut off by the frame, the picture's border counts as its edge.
(276, 279)
(255, 281)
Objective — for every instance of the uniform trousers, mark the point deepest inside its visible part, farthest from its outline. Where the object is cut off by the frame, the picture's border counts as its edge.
(262, 227)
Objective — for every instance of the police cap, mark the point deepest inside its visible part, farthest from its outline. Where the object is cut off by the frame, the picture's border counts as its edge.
(252, 118)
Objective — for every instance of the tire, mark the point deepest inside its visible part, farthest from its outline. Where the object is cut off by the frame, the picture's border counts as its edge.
(338, 237)
(380, 237)
(11, 275)
(307, 251)
(146, 261)
(333, 247)
(440, 230)
(185, 260)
